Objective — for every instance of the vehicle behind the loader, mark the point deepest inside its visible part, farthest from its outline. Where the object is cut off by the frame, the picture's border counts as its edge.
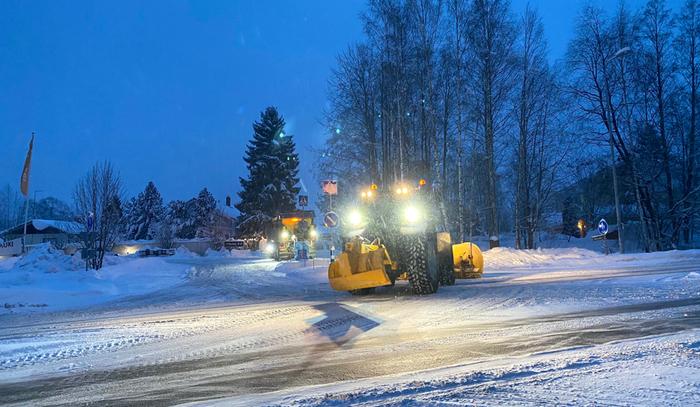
(393, 235)
(293, 233)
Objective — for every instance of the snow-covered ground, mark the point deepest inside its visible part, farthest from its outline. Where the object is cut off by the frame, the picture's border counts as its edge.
(551, 326)
(660, 370)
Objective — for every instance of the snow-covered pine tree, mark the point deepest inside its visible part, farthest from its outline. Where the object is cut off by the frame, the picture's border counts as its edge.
(204, 210)
(50, 208)
(179, 218)
(191, 218)
(272, 164)
(144, 213)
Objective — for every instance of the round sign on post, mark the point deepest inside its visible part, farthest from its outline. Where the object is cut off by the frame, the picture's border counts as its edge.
(90, 221)
(330, 219)
(603, 227)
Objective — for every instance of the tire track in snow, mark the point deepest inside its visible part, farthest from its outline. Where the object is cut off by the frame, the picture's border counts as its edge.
(168, 328)
(316, 332)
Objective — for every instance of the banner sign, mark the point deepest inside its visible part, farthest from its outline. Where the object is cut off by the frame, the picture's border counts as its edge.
(11, 247)
(24, 180)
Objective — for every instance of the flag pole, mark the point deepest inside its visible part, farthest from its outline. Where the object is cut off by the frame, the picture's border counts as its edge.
(24, 188)
(24, 234)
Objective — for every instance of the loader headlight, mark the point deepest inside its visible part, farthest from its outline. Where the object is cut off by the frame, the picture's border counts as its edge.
(354, 218)
(412, 214)
(284, 235)
(269, 248)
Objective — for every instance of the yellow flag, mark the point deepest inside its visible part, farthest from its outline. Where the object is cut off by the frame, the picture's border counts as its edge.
(24, 181)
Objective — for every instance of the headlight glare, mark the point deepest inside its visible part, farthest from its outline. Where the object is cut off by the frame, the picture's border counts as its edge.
(412, 214)
(354, 218)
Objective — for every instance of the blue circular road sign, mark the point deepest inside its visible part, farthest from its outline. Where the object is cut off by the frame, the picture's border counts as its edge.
(330, 219)
(603, 227)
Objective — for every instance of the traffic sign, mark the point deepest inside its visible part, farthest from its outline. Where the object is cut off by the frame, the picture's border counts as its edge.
(330, 187)
(330, 219)
(603, 227)
(303, 200)
(90, 221)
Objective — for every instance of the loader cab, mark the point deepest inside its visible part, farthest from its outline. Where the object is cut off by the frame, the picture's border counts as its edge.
(404, 208)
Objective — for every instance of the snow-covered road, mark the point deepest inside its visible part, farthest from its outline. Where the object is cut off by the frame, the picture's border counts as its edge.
(237, 327)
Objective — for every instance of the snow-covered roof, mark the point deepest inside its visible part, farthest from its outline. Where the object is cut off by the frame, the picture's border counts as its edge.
(62, 225)
(40, 225)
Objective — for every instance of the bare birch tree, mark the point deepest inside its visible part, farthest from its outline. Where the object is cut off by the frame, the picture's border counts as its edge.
(97, 197)
(490, 37)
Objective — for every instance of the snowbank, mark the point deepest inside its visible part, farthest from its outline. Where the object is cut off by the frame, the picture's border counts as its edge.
(47, 279)
(504, 257)
(45, 258)
(7, 263)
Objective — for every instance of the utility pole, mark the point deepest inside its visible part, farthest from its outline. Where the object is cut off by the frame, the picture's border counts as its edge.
(620, 228)
(617, 195)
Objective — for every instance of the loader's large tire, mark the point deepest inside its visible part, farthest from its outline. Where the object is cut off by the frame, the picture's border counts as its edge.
(447, 275)
(421, 265)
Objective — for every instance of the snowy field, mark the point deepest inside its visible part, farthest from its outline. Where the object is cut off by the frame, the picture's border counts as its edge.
(551, 326)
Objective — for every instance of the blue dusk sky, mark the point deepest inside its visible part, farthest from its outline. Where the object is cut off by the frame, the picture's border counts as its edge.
(168, 90)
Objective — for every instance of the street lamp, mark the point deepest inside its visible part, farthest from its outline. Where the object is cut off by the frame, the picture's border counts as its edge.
(619, 54)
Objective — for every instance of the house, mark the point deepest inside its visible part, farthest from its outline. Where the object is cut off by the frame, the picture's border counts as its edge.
(58, 232)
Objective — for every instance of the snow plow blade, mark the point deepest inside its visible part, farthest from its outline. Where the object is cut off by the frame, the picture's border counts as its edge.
(360, 266)
(468, 261)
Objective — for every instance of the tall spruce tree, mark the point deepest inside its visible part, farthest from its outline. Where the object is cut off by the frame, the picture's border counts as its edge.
(144, 213)
(272, 164)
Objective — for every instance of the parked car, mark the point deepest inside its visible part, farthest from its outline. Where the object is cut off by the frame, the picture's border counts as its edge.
(235, 244)
(155, 252)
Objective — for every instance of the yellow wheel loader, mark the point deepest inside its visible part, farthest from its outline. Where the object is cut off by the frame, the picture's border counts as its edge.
(292, 233)
(392, 235)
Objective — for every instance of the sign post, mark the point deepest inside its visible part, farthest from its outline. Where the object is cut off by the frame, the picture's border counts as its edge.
(89, 253)
(330, 188)
(603, 230)
(330, 220)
